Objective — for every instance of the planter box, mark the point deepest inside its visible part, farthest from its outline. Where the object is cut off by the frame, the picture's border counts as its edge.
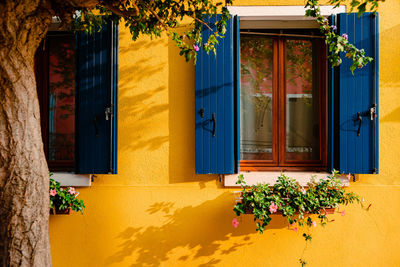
(60, 212)
(327, 211)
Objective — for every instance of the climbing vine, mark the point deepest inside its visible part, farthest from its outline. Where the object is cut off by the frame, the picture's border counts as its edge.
(339, 43)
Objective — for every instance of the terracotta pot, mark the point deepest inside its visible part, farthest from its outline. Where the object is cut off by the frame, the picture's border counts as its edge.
(60, 212)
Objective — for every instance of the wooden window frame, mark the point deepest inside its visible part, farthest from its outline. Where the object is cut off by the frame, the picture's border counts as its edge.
(42, 80)
(279, 162)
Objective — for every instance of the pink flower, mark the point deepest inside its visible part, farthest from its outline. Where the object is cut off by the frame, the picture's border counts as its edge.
(295, 229)
(235, 223)
(345, 36)
(53, 192)
(303, 190)
(343, 213)
(71, 190)
(273, 207)
(196, 48)
(314, 223)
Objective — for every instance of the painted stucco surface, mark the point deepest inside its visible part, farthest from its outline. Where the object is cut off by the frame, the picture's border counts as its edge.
(157, 212)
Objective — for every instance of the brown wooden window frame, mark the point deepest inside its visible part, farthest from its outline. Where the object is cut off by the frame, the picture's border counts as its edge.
(42, 81)
(279, 162)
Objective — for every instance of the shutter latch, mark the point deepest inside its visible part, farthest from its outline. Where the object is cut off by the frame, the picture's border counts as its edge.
(372, 112)
(108, 113)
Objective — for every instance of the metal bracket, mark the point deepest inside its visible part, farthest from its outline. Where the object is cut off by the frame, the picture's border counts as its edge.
(201, 112)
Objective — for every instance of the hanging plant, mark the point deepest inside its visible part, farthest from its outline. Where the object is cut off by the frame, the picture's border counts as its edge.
(63, 200)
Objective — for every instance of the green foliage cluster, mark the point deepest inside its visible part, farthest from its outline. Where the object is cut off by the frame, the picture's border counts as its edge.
(293, 201)
(152, 18)
(339, 43)
(63, 198)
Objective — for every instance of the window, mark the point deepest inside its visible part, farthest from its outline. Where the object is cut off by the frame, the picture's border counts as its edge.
(282, 100)
(276, 106)
(77, 88)
(55, 70)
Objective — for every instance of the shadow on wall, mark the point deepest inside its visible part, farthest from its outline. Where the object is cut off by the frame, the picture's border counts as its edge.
(389, 72)
(137, 108)
(188, 228)
(182, 120)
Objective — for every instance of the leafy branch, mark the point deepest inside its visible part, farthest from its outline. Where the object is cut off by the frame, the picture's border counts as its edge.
(340, 43)
(144, 17)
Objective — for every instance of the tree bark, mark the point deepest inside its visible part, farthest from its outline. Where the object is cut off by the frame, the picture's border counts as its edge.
(24, 176)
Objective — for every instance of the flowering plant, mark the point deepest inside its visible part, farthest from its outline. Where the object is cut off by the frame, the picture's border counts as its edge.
(298, 204)
(62, 198)
(292, 200)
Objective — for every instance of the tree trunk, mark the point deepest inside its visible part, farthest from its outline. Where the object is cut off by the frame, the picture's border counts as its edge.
(24, 176)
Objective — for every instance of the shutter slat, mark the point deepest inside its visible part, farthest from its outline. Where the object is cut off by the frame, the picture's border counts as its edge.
(355, 93)
(214, 83)
(220, 108)
(236, 42)
(214, 94)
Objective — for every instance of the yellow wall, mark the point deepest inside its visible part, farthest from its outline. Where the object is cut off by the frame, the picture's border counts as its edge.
(157, 212)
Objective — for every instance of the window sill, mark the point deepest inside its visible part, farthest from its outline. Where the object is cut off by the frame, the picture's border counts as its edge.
(253, 178)
(72, 179)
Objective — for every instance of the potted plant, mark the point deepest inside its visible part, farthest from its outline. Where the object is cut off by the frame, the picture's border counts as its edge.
(63, 200)
(298, 204)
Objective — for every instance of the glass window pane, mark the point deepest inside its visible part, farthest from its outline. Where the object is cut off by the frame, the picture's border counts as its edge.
(61, 98)
(256, 56)
(302, 101)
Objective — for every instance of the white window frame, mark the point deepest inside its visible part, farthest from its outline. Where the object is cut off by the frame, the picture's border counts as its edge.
(278, 17)
(72, 179)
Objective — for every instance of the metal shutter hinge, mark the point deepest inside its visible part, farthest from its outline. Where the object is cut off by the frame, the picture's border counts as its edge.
(372, 112)
(109, 113)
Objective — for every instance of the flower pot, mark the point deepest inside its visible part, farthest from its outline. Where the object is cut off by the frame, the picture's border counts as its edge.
(327, 211)
(60, 212)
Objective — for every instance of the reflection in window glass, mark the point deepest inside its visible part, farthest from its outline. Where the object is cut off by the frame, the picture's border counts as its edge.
(302, 102)
(61, 98)
(256, 56)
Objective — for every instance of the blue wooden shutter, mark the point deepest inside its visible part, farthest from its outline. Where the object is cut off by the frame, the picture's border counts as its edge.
(215, 109)
(96, 102)
(355, 96)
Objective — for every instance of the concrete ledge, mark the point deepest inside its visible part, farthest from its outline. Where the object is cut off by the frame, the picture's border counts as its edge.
(253, 178)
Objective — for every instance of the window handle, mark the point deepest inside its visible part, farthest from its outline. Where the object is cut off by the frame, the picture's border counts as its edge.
(201, 112)
(359, 118)
(213, 121)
